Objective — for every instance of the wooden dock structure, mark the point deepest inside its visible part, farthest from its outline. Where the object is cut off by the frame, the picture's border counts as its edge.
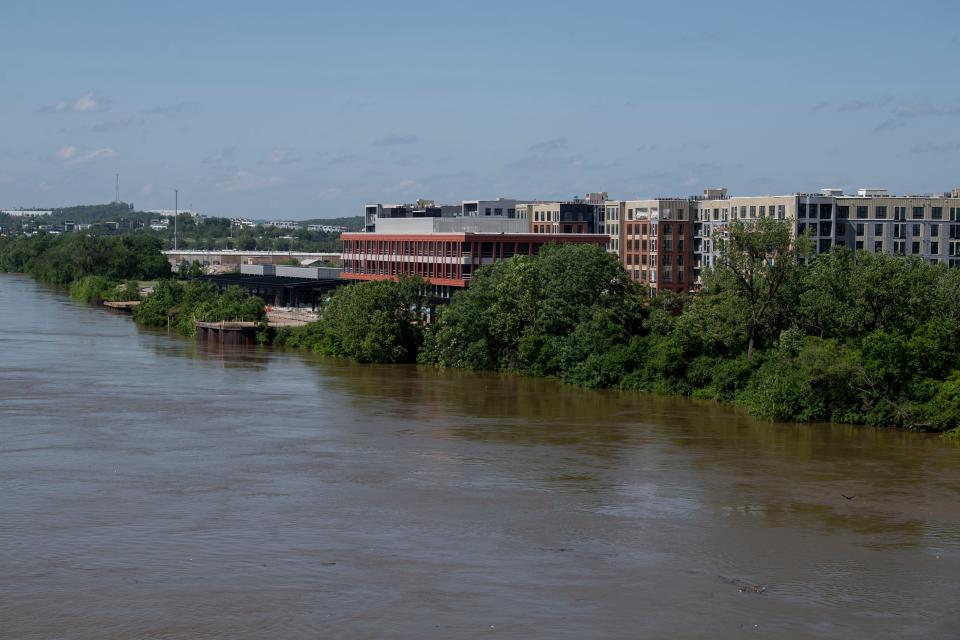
(238, 333)
(125, 306)
(245, 332)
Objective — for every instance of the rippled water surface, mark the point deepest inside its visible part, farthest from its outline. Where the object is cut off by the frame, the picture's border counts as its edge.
(154, 488)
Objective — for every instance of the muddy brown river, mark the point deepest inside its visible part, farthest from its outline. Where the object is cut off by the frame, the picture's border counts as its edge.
(153, 488)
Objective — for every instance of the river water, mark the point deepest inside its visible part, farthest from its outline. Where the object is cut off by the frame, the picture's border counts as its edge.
(155, 488)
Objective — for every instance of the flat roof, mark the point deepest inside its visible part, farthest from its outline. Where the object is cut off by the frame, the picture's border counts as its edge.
(465, 235)
(235, 252)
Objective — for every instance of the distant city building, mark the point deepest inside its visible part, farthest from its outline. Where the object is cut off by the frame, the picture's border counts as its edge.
(283, 224)
(169, 213)
(242, 223)
(26, 213)
(325, 228)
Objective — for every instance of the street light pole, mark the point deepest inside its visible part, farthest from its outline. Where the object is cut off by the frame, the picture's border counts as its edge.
(176, 207)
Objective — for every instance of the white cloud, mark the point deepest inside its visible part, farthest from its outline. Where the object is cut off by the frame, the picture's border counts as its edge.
(281, 156)
(97, 154)
(85, 103)
(67, 153)
(548, 146)
(246, 181)
(72, 155)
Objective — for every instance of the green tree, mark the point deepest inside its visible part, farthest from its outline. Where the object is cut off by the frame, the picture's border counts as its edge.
(761, 257)
(543, 315)
(374, 321)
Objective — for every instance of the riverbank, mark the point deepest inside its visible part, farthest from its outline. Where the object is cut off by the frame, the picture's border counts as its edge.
(852, 338)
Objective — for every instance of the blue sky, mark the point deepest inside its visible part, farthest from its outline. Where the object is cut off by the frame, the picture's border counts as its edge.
(310, 109)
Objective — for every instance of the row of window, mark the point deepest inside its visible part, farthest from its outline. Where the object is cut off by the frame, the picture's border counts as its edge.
(666, 229)
(644, 259)
(639, 213)
(666, 275)
(879, 228)
(404, 247)
(880, 212)
(389, 268)
(916, 248)
(644, 245)
(433, 249)
(743, 213)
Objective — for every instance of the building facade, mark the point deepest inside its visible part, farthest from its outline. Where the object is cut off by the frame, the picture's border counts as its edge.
(447, 261)
(872, 220)
(576, 216)
(501, 207)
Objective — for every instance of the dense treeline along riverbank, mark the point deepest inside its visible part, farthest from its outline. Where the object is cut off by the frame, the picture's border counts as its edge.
(63, 259)
(871, 339)
(855, 338)
(109, 268)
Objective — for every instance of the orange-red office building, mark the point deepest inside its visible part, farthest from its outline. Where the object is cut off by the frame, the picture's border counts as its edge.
(446, 260)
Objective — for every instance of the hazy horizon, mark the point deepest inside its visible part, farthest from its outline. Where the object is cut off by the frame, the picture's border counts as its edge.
(312, 111)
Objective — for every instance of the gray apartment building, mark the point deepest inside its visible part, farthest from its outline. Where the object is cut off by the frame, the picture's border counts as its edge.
(927, 226)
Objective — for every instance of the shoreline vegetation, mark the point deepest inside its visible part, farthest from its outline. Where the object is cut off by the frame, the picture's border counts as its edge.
(844, 337)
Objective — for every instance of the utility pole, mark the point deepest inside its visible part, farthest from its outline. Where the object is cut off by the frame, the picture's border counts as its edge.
(176, 207)
(118, 189)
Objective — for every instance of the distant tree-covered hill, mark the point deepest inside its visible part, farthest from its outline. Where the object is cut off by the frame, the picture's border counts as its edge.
(90, 213)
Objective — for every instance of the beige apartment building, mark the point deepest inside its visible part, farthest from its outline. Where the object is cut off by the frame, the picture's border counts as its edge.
(872, 220)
